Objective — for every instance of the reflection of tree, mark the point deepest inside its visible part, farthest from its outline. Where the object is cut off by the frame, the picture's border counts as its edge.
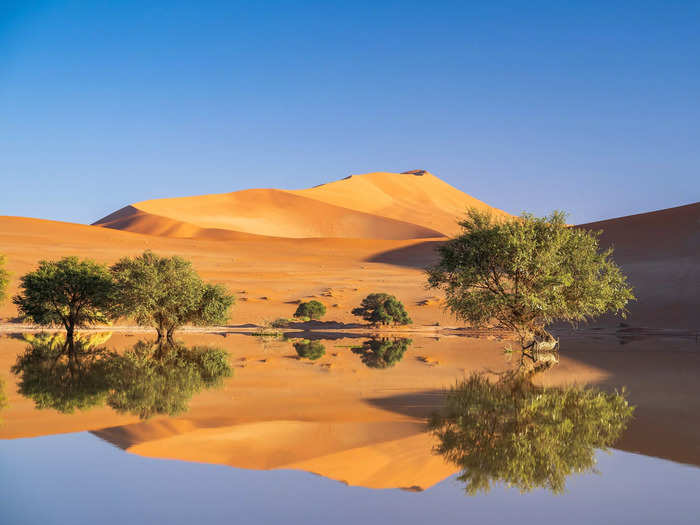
(153, 379)
(3, 397)
(62, 374)
(146, 380)
(514, 432)
(383, 352)
(310, 349)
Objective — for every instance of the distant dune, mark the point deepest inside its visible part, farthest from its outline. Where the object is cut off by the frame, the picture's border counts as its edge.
(382, 205)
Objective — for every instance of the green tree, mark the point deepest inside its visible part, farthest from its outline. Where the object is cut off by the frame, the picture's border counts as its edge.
(161, 378)
(62, 376)
(4, 279)
(71, 292)
(527, 273)
(382, 308)
(310, 349)
(166, 293)
(310, 309)
(383, 352)
(514, 432)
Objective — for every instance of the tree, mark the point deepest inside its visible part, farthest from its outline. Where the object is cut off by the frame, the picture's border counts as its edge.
(62, 376)
(310, 309)
(4, 279)
(310, 349)
(516, 433)
(382, 352)
(382, 308)
(166, 293)
(160, 378)
(527, 273)
(71, 292)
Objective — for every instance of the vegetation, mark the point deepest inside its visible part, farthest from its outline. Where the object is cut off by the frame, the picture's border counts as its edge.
(527, 273)
(525, 436)
(166, 293)
(381, 308)
(70, 292)
(310, 309)
(161, 378)
(309, 349)
(382, 352)
(62, 376)
(4, 279)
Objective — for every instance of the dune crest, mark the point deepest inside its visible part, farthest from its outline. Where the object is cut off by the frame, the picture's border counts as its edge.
(399, 206)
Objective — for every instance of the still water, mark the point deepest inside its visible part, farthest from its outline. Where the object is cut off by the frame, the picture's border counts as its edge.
(332, 428)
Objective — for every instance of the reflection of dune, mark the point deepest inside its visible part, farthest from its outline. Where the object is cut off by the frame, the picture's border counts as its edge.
(381, 454)
(371, 206)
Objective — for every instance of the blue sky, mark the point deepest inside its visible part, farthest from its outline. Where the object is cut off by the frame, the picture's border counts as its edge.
(592, 107)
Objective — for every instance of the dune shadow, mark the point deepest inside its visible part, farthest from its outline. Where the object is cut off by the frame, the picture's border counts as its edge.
(417, 255)
(416, 404)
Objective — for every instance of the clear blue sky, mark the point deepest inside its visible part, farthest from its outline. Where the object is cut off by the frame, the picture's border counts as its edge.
(593, 107)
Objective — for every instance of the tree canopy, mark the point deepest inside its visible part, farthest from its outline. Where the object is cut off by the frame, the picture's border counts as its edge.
(383, 352)
(311, 309)
(514, 432)
(4, 279)
(70, 292)
(382, 308)
(527, 273)
(166, 293)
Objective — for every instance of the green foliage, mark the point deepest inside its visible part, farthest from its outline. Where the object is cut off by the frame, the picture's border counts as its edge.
(280, 322)
(60, 374)
(309, 349)
(382, 352)
(526, 436)
(4, 279)
(166, 293)
(310, 309)
(156, 378)
(527, 273)
(71, 292)
(381, 308)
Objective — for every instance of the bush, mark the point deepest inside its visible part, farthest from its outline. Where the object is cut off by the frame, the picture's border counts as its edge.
(310, 309)
(4, 279)
(384, 352)
(310, 349)
(381, 308)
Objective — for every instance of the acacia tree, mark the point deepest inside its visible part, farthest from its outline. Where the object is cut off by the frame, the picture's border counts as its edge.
(310, 349)
(4, 279)
(311, 309)
(514, 432)
(382, 308)
(71, 292)
(527, 273)
(166, 293)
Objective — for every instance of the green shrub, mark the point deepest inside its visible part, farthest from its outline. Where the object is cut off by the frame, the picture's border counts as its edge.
(382, 308)
(310, 309)
(310, 349)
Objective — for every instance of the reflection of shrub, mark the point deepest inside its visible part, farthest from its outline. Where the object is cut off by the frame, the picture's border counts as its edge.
(310, 309)
(384, 352)
(526, 436)
(382, 308)
(280, 322)
(310, 349)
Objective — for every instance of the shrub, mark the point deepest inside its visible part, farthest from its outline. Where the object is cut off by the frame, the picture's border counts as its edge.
(310, 349)
(384, 352)
(310, 309)
(381, 308)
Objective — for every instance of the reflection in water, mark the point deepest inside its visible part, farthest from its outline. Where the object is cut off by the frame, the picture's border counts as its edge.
(382, 352)
(309, 349)
(160, 378)
(526, 436)
(150, 379)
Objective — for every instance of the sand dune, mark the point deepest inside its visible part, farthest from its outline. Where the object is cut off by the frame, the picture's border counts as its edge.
(370, 206)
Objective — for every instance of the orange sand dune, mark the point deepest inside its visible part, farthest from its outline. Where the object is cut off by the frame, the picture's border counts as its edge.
(660, 253)
(371, 206)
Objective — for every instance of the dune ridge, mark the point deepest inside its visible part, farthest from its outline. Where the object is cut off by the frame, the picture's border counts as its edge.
(377, 205)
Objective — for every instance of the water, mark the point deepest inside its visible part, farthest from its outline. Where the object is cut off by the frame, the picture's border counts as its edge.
(290, 439)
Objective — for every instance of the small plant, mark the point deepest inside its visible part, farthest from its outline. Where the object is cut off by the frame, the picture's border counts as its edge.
(311, 309)
(382, 308)
(280, 322)
(310, 349)
(4, 279)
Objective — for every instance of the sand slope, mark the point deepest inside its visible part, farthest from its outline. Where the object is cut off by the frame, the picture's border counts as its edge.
(370, 206)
